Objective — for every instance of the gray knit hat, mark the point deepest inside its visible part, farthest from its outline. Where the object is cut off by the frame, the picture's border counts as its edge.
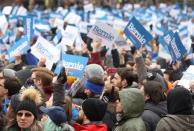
(94, 73)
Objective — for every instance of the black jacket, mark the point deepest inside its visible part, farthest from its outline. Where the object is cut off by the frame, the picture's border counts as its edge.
(153, 113)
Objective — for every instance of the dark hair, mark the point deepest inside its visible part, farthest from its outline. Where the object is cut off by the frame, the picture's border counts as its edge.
(128, 75)
(155, 91)
(13, 86)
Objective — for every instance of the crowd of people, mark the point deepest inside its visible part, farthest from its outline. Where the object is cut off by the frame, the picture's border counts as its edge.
(125, 90)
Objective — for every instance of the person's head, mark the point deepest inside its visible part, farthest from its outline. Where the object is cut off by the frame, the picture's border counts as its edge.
(42, 76)
(153, 92)
(130, 104)
(26, 114)
(5, 74)
(26, 110)
(124, 77)
(67, 105)
(55, 113)
(179, 101)
(92, 110)
(12, 85)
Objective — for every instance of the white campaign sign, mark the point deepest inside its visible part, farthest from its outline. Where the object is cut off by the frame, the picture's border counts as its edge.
(43, 48)
(4, 24)
(73, 18)
(103, 32)
(69, 35)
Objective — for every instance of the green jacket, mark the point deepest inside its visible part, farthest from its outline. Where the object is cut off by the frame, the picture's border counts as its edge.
(176, 123)
(132, 101)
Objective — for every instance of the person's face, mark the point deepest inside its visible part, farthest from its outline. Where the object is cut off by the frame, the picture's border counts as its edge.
(24, 119)
(87, 92)
(35, 80)
(116, 81)
(119, 107)
(3, 91)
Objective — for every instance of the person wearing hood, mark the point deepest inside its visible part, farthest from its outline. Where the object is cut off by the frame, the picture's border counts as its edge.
(180, 109)
(155, 104)
(129, 108)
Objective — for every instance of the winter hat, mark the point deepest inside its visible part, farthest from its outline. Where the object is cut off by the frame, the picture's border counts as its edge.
(55, 113)
(179, 101)
(94, 73)
(9, 73)
(156, 77)
(94, 109)
(29, 99)
(28, 105)
(23, 75)
(94, 88)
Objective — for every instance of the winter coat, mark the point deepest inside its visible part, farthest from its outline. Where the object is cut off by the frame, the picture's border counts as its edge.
(51, 126)
(90, 127)
(153, 113)
(95, 59)
(110, 120)
(132, 101)
(176, 123)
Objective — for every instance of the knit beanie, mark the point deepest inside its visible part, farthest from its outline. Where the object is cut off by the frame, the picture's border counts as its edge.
(94, 109)
(94, 73)
(94, 88)
(179, 101)
(30, 99)
(28, 105)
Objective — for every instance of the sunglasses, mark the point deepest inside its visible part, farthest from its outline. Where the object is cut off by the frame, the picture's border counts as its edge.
(20, 114)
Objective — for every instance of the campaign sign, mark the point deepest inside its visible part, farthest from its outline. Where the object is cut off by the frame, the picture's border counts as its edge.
(137, 33)
(103, 32)
(21, 47)
(57, 38)
(69, 35)
(74, 64)
(28, 29)
(4, 23)
(43, 48)
(177, 48)
(166, 40)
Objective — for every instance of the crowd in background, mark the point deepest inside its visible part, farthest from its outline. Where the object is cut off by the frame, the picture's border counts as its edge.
(123, 91)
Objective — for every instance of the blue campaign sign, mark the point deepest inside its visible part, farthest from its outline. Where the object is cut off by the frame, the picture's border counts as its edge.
(177, 48)
(74, 64)
(137, 33)
(21, 47)
(28, 29)
(166, 40)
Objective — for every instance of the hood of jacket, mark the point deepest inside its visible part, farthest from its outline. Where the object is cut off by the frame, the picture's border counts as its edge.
(132, 101)
(179, 122)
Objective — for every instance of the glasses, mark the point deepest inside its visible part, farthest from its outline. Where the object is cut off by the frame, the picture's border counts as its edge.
(20, 114)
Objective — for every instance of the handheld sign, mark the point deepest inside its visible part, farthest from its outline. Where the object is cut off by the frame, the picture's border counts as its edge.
(165, 41)
(137, 34)
(69, 35)
(21, 47)
(43, 48)
(28, 29)
(103, 32)
(4, 24)
(177, 48)
(74, 64)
